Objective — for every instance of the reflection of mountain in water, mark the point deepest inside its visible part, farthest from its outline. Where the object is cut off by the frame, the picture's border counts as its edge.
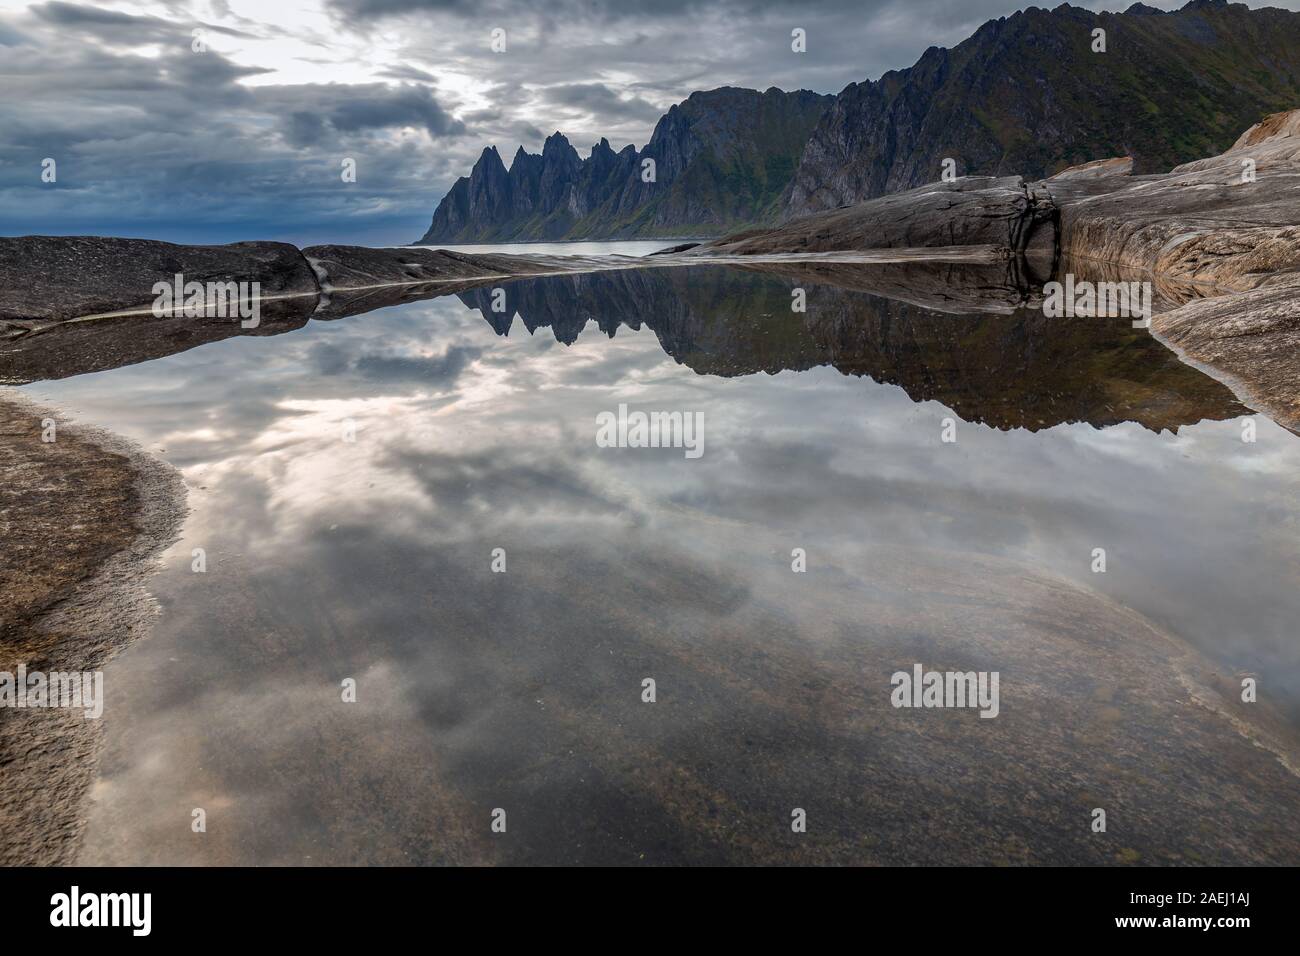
(1018, 369)
(965, 335)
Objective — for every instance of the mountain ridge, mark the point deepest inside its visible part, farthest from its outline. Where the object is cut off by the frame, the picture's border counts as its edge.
(1025, 94)
(722, 158)
(1028, 94)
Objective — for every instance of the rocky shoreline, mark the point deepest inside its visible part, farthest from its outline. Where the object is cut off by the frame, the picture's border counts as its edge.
(70, 599)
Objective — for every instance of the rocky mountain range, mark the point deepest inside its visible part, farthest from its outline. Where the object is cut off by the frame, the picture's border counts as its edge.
(1028, 94)
(722, 158)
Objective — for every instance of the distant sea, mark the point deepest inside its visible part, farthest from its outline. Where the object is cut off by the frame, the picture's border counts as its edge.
(633, 247)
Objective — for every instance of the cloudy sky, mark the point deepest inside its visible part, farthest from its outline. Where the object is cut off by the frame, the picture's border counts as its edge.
(240, 132)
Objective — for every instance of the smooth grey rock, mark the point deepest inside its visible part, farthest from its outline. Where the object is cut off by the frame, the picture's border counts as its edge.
(1204, 222)
(359, 267)
(997, 213)
(1253, 337)
(52, 278)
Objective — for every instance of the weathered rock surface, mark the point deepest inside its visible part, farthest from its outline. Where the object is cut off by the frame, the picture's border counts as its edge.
(361, 267)
(1227, 222)
(1097, 169)
(1253, 337)
(1221, 237)
(1000, 215)
(1209, 229)
(59, 303)
(82, 519)
(52, 278)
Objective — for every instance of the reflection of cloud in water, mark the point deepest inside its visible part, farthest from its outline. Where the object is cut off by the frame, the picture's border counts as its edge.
(487, 488)
(801, 450)
(330, 558)
(438, 371)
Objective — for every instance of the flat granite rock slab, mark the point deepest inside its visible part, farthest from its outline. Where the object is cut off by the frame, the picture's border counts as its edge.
(361, 267)
(52, 278)
(973, 210)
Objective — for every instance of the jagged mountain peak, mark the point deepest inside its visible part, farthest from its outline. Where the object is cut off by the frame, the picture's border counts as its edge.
(489, 159)
(745, 138)
(1024, 94)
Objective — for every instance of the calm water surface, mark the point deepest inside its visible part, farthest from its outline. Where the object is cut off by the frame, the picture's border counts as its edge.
(630, 247)
(370, 559)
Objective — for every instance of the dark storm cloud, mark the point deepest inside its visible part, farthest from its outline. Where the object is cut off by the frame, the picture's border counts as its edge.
(317, 113)
(71, 14)
(361, 11)
(176, 146)
(378, 106)
(304, 129)
(108, 24)
(363, 14)
(632, 60)
(154, 139)
(600, 100)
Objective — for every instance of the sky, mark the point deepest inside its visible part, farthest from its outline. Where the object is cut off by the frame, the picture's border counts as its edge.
(242, 130)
